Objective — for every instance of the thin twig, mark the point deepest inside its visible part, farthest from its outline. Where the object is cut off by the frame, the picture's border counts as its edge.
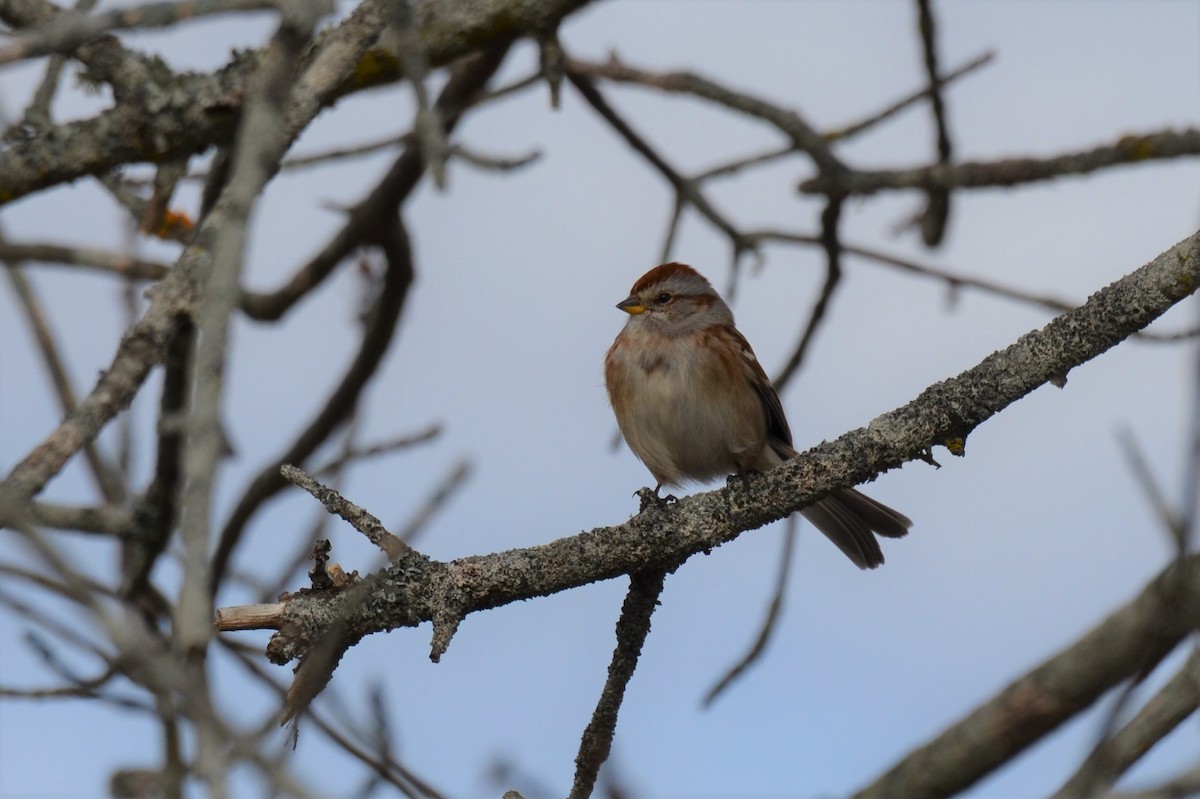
(419, 520)
(386, 766)
(356, 516)
(831, 243)
(849, 131)
(493, 163)
(72, 28)
(672, 229)
(352, 454)
(60, 589)
(954, 280)
(738, 164)
(1189, 511)
(687, 189)
(790, 123)
(937, 208)
(429, 129)
(106, 477)
(37, 114)
(1167, 517)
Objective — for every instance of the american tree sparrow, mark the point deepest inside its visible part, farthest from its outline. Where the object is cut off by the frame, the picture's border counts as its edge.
(693, 404)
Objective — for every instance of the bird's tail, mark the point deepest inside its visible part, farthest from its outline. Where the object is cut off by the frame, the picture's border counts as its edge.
(851, 519)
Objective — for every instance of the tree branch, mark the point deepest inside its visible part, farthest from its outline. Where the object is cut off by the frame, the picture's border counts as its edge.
(72, 29)
(632, 629)
(1177, 700)
(191, 113)
(945, 414)
(1130, 149)
(145, 344)
(1034, 705)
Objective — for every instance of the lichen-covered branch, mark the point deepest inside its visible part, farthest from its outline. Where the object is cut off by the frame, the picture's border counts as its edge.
(145, 344)
(945, 413)
(632, 629)
(192, 113)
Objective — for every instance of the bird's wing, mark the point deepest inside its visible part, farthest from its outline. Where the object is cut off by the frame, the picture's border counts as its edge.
(778, 431)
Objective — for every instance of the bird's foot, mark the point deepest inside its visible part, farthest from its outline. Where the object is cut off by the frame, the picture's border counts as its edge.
(651, 499)
(742, 478)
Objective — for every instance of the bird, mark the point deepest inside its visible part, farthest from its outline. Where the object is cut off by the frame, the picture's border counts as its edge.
(693, 404)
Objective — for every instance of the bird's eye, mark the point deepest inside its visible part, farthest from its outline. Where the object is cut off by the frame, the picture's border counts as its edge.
(663, 298)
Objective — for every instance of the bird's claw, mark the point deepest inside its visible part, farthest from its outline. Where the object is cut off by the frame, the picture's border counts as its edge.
(649, 498)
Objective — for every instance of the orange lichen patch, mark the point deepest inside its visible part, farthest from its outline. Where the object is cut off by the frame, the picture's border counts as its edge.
(172, 225)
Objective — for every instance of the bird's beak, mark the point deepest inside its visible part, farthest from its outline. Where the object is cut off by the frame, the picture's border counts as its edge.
(631, 305)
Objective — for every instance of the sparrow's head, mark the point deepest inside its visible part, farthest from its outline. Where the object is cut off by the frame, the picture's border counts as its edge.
(674, 299)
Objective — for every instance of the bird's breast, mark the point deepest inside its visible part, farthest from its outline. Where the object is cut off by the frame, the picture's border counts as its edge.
(683, 412)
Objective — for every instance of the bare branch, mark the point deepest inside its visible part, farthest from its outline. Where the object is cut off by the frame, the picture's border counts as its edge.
(145, 344)
(937, 209)
(632, 629)
(193, 112)
(945, 413)
(358, 518)
(395, 773)
(801, 134)
(341, 404)
(1129, 149)
(1037, 703)
(109, 520)
(354, 454)
(494, 163)
(953, 280)
(890, 111)
(453, 480)
(1177, 700)
(1182, 786)
(107, 480)
(832, 245)
(71, 29)
(429, 129)
(686, 189)
(1170, 520)
(767, 628)
(103, 260)
(366, 217)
